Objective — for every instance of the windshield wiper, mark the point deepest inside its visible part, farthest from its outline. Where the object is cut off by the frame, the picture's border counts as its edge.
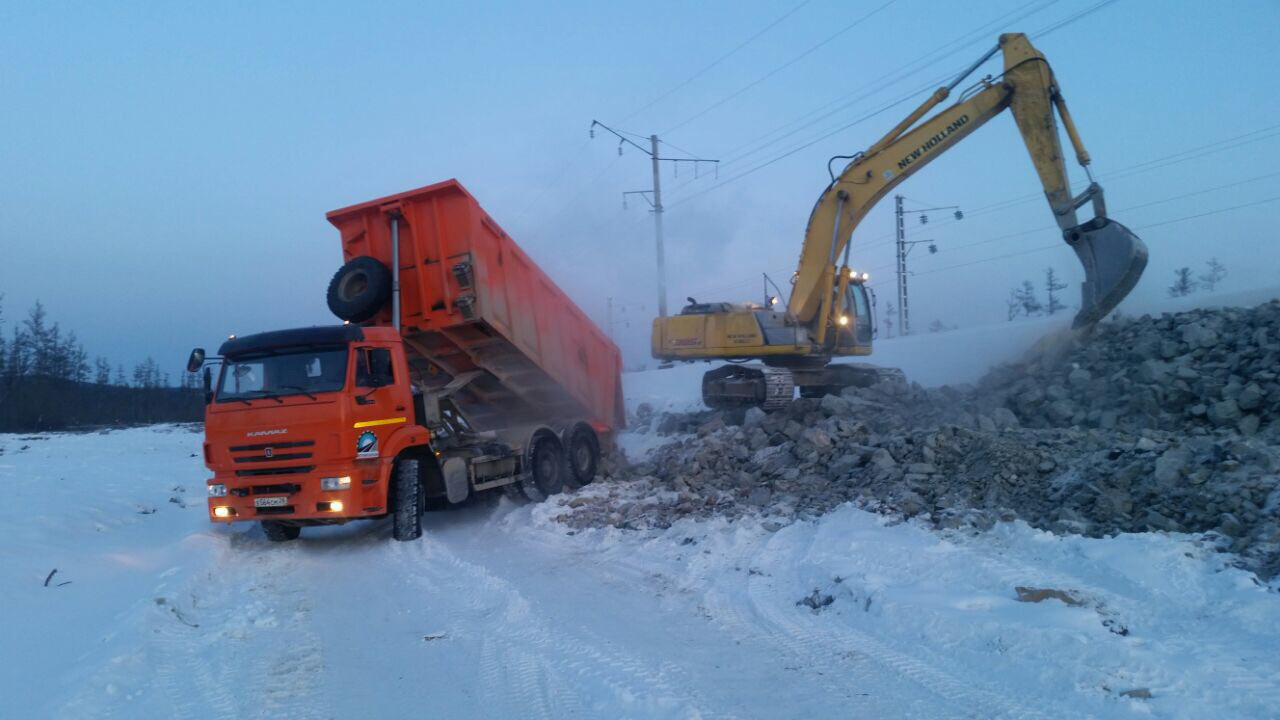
(267, 394)
(300, 389)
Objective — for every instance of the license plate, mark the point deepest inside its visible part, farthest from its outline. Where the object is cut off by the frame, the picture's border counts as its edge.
(270, 501)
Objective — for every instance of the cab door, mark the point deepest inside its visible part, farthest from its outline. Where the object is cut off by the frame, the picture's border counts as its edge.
(862, 319)
(381, 399)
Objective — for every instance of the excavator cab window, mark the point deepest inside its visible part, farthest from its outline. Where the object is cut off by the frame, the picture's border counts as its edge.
(861, 314)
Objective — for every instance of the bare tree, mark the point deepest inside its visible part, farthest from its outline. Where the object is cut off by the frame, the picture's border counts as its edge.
(1183, 285)
(120, 378)
(101, 371)
(1052, 286)
(75, 359)
(1213, 275)
(4, 354)
(1012, 306)
(146, 374)
(1026, 296)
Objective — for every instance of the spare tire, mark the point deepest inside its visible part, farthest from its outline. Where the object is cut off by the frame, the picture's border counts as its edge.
(359, 289)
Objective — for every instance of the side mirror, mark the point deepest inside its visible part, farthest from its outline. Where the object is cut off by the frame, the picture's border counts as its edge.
(195, 360)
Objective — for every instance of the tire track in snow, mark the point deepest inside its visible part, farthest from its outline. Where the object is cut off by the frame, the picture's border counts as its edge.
(769, 615)
(545, 657)
(254, 654)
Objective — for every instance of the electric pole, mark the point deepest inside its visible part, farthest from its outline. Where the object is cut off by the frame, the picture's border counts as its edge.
(904, 247)
(653, 196)
(903, 329)
(621, 307)
(657, 227)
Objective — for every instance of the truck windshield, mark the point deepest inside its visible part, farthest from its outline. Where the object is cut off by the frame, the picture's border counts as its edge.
(277, 374)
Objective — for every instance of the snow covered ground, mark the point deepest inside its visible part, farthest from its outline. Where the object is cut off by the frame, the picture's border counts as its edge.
(500, 612)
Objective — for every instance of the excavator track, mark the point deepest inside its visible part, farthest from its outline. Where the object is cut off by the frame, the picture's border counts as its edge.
(830, 380)
(743, 386)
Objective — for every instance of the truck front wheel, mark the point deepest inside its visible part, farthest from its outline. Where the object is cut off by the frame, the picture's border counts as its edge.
(277, 531)
(408, 496)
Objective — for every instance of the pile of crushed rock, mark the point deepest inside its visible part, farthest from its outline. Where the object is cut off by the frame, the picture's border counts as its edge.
(1149, 424)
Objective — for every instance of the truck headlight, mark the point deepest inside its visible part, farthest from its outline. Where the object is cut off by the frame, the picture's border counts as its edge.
(843, 320)
(217, 490)
(335, 483)
(223, 511)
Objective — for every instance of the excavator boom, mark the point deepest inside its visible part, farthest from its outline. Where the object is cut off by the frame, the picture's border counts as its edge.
(828, 314)
(1112, 256)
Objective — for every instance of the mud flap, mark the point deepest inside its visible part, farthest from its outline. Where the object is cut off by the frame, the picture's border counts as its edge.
(1113, 259)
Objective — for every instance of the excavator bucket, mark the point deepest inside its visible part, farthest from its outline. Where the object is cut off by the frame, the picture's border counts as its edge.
(1113, 259)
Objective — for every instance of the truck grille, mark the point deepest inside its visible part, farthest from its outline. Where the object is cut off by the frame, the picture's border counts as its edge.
(287, 488)
(295, 470)
(280, 489)
(277, 510)
(270, 452)
(275, 457)
(264, 446)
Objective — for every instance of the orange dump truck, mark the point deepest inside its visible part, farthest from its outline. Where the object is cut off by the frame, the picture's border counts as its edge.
(459, 368)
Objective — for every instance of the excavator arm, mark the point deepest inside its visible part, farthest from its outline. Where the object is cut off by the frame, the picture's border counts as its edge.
(1112, 256)
(828, 316)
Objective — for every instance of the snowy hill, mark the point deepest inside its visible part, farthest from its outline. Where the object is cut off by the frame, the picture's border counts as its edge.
(501, 612)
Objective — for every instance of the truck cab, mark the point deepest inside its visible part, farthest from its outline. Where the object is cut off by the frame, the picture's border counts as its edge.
(303, 425)
(317, 426)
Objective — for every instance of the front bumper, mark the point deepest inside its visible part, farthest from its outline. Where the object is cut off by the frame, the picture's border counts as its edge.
(300, 497)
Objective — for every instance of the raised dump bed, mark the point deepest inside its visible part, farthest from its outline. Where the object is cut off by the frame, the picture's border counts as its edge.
(473, 308)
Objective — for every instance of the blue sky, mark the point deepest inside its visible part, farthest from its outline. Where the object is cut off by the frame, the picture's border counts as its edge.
(167, 167)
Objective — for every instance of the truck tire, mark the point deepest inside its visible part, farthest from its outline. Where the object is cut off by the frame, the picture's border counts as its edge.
(277, 531)
(408, 497)
(544, 473)
(583, 456)
(359, 289)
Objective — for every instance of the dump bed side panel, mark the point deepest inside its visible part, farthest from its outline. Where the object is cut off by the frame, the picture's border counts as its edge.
(471, 299)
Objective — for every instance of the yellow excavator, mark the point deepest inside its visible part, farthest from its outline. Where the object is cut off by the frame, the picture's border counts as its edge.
(829, 313)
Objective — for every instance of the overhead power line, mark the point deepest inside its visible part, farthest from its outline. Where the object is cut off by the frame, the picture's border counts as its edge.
(1048, 228)
(1040, 248)
(812, 49)
(933, 84)
(1069, 20)
(979, 34)
(707, 68)
(1159, 163)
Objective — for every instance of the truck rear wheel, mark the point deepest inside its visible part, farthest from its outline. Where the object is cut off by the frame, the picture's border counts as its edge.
(583, 455)
(544, 475)
(277, 531)
(409, 497)
(359, 289)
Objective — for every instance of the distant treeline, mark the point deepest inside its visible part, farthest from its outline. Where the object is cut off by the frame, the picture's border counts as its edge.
(48, 383)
